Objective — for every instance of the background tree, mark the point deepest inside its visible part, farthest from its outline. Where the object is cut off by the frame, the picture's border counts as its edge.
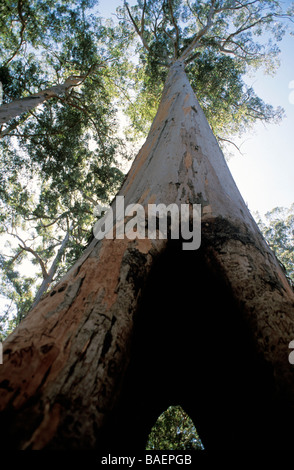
(174, 430)
(277, 227)
(59, 159)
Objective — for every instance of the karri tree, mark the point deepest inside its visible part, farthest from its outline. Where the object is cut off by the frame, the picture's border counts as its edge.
(58, 145)
(278, 230)
(138, 324)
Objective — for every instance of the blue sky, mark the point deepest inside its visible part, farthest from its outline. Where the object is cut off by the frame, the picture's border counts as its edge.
(264, 172)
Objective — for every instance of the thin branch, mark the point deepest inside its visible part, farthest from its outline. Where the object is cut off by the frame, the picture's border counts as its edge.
(193, 57)
(14, 258)
(23, 27)
(90, 199)
(54, 221)
(9, 129)
(155, 24)
(176, 42)
(40, 261)
(229, 40)
(195, 42)
(235, 7)
(30, 250)
(245, 28)
(85, 76)
(86, 112)
(49, 277)
(230, 142)
(193, 12)
(234, 51)
(138, 31)
(143, 18)
(8, 308)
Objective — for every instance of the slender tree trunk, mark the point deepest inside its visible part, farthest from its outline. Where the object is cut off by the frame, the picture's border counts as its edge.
(137, 324)
(48, 279)
(15, 108)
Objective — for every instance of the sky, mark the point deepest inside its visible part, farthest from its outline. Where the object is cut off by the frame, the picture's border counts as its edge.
(264, 170)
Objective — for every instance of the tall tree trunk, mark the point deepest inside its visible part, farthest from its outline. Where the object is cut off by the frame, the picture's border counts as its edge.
(23, 105)
(137, 325)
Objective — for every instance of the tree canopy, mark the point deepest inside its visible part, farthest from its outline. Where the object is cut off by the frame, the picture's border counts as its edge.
(219, 41)
(174, 430)
(277, 227)
(59, 160)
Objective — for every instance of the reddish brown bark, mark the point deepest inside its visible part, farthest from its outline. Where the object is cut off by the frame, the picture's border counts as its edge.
(139, 324)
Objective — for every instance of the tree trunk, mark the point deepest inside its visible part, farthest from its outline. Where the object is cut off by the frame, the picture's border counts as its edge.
(138, 325)
(23, 105)
(49, 278)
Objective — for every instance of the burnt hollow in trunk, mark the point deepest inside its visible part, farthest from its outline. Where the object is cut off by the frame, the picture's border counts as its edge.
(192, 347)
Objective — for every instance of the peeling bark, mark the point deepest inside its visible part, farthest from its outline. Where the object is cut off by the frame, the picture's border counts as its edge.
(75, 340)
(70, 379)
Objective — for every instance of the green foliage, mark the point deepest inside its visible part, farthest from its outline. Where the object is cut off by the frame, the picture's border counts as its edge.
(278, 230)
(16, 288)
(220, 42)
(63, 158)
(174, 430)
(230, 106)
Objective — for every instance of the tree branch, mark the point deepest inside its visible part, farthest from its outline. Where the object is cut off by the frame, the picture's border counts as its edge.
(138, 31)
(35, 254)
(230, 142)
(195, 42)
(24, 247)
(14, 258)
(143, 18)
(176, 41)
(247, 24)
(11, 110)
(244, 28)
(48, 279)
(23, 27)
(15, 108)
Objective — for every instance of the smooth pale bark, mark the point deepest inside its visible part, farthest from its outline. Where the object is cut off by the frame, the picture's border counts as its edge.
(15, 108)
(49, 277)
(67, 379)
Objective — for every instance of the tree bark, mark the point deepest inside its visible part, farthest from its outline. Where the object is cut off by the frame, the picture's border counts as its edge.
(23, 105)
(94, 363)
